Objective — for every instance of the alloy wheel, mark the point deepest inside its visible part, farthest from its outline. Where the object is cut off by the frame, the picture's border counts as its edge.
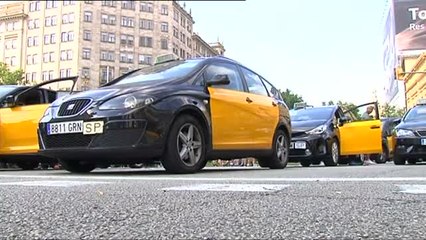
(189, 144)
(282, 150)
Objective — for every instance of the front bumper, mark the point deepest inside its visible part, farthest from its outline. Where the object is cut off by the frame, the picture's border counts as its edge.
(315, 146)
(410, 147)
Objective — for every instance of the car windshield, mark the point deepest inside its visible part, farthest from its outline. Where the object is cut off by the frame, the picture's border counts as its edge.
(161, 72)
(308, 114)
(5, 90)
(416, 114)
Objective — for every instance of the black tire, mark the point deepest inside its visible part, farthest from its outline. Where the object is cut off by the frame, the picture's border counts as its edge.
(334, 154)
(344, 161)
(30, 165)
(412, 161)
(76, 166)
(280, 151)
(305, 163)
(397, 160)
(316, 162)
(179, 140)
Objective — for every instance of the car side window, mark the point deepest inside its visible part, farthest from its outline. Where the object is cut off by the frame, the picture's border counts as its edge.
(225, 69)
(51, 96)
(273, 92)
(32, 97)
(254, 83)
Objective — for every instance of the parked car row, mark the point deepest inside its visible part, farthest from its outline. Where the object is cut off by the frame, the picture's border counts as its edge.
(184, 113)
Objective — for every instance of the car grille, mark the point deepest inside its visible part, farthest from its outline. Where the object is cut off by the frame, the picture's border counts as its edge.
(67, 140)
(73, 107)
(297, 134)
(422, 133)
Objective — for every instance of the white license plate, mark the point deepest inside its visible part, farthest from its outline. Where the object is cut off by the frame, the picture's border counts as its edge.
(423, 141)
(87, 128)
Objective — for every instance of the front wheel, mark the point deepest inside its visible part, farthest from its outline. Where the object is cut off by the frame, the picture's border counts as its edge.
(398, 160)
(77, 166)
(333, 158)
(185, 151)
(279, 158)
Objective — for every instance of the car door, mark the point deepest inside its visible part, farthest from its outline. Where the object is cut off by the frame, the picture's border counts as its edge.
(230, 109)
(18, 124)
(361, 136)
(264, 114)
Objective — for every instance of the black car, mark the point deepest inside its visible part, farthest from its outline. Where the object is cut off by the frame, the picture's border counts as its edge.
(332, 135)
(411, 136)
(180, 112)
(388, 140)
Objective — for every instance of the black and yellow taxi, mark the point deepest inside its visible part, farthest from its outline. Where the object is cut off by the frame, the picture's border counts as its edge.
(410, 136)
(180, 112)
(332, 134)
(21, 108)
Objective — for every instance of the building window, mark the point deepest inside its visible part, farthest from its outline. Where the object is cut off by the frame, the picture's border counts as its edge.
(66, 55)
(176, 15)
(145, 59)
(67, 36)
(68, 18)
(34, 6)
(127, 40)
(189, 26)
(127, 22)
(164, 26)
(87, 35)
(107, 56)
(87, 16)
(164, 10)
(146, 7)
(175, 32)
(50, 75)
(164, 44)
(50, 21)
(65, 72)
(189, 42)
(146, 24)
(45, 75)
(10, 44)
(182, 21)
(107, 74)
(86, 53)
(29, 59)
(126, 57)
(128, 5)
(109, 3)
(33, 23)
(32, 41)
(51, 4)
(12, 26)
(107, 37)
(85, 72)
(108, 19)
(88, 2)
(66, 3)
(48, 57)
(145, 42)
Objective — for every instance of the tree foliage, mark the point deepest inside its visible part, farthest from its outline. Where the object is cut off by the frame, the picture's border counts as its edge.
(8, 77)
(291, 98)
(345, 106)
(391, 111)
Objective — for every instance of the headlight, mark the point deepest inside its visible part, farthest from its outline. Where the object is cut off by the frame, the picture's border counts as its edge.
(48, 112)
(404, 133)
(126, 102)
(318, 130)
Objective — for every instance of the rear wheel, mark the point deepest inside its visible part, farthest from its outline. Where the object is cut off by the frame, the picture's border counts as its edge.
(412, 161)
(185, 152)
(305, 163)
(333, 158)
(398, 160)
(77, 166)
(27, 165)
(279, 158)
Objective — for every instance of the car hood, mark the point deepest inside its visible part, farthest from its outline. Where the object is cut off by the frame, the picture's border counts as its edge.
(303, 126)
(105, 93)
(413, 125)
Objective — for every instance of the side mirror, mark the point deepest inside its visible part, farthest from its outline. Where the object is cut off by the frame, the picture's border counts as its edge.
(220, 79)
(9, 101)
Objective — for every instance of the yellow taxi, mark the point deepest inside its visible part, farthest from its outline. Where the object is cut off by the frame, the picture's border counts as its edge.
(21, 108)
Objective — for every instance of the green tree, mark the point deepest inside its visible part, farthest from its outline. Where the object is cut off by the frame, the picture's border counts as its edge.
(291, 98)
(350, 106)
(8, 77)
(391, 111)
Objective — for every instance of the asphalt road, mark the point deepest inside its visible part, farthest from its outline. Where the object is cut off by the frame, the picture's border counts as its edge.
(347, 202)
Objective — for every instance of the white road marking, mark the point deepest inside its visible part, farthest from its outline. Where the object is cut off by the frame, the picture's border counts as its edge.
(212, 179)
(50, 183)
(413, 189)
(229, 187)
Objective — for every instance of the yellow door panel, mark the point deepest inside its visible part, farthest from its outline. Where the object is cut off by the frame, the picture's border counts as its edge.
(361, 137)
(238, 122)
(18, 128)
(391, 143)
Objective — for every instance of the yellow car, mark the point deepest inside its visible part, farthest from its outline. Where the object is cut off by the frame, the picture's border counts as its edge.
(21, 108)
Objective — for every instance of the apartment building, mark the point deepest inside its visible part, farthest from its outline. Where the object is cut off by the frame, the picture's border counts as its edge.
(97, 40)
(200, 48)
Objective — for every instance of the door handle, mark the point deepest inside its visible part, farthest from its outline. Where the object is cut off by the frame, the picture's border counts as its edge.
(374, 127)
(249, 100)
